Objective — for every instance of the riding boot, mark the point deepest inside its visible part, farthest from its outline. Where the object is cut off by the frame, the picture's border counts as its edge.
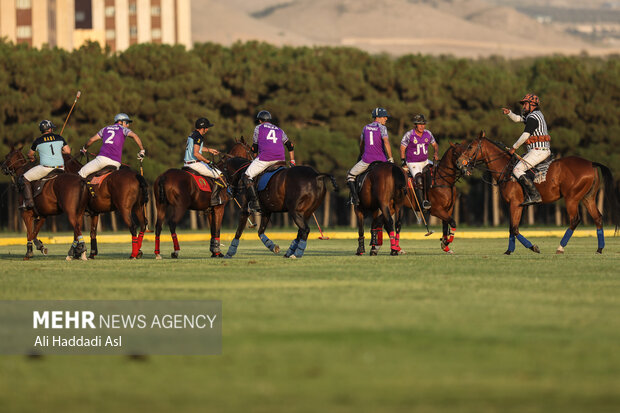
(215, 195)
(530, 193)
(419, 180)
(27, 194)
(253, 204)
(353, 198)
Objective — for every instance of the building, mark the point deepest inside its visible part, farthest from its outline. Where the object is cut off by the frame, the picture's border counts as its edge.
(116, 23)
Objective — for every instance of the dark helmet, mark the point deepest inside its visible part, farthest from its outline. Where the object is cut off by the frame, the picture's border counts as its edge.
(531, 98)
(264, 116)
(122, 117)
(379, 113)
(45, 125)
(203, 123)
(419, 119)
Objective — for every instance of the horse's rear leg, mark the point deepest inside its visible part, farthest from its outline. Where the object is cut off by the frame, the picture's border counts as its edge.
(78, 248)
(94, 221)
(298, 245)
(176, 214)
(388, 224)
(161, 215)
(376, 234)
(361, 250)
(572, 209)
(449, 228)
(590, 204)
(275, 248)
(126, 214)
(139, 218)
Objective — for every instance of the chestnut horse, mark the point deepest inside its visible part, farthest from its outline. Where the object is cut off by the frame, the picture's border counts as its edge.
(574, 178)
(382, 195)
(442, 194)
(123, 190)
(65, 193)
(299, 190)
(176, 191)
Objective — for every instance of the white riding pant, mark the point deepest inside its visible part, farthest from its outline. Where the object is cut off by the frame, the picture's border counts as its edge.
(257, 166)
(38, 172)
(532, 158)
(97, 164)
(204, 169)
(357, 169)
(417, 167)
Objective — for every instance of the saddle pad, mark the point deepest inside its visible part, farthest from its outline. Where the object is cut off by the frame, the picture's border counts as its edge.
(540, 170)
(99, 179)
(201, 181)
(265, 177)
(37, 186)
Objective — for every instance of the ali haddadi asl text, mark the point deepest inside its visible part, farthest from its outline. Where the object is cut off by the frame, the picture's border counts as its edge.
(75, 341)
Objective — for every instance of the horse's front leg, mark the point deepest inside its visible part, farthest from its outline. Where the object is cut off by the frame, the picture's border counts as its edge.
(28, 218)
(515, 217)
(243, 219)
(37, 243)
(388, 224)
(275, 248)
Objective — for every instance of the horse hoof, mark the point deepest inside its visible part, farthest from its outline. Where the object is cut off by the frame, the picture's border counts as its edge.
(599, 251)
(276, 249)
(158, 257)
(69, 258)
(174, 254)
(216, 255)
(508, 252)
(92, 256)
(293, 257)
(394, 252)
(83, 256)
(535, 249)
(26, 258)
(140, 254)
(559, 251)
(359, 253)
(449, 252)
(44, 251)
(373, 253)
(227, 257)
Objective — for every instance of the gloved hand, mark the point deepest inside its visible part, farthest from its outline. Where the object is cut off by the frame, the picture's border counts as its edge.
(293, 162)
(391, 160)
(141, 154)
(403, 163)
(83, 150)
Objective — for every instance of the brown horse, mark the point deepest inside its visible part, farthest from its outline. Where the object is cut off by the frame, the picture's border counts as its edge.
(64, 193)
(382, 195)
(176, 191)
(574, 178)
(123, 190)
(442, 194)
(299, 190)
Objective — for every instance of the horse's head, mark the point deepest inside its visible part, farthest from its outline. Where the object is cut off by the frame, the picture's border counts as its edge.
(13, 160)
(241, 149)
(470, 155)
(233, 168)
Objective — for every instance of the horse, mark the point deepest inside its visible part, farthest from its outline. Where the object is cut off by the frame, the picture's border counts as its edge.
(176, 191)
(442, 194)
(382, 195)
(64, 193)
(574, 178)
(123, 190)
(298, 190)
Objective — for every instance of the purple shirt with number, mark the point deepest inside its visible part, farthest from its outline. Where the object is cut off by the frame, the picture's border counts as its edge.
(373, 135)
(417, 146)
(270, 140)
(113, 137)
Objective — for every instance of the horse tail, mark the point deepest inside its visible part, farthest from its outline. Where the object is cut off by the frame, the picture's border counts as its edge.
(144, 188)
(400, 182)
(611, 194)
(331, 178)
(162, 190)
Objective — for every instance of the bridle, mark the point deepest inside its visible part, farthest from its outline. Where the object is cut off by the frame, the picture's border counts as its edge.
(472, 162)
(10, 168)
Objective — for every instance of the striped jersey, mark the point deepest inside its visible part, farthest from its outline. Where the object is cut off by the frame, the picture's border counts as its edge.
(536, 126)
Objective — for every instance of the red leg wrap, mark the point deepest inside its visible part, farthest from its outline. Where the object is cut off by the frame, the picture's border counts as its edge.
(175, 241)
(134, 246)
(140, 238)
(157, 244)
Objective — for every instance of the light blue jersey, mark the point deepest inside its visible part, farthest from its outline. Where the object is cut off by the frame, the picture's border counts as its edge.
(194, 139)
(49, 147)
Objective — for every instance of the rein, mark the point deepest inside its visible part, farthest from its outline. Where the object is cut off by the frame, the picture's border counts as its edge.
(476, 164)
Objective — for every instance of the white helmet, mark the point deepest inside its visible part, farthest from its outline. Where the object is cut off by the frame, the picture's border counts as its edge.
(122, 117)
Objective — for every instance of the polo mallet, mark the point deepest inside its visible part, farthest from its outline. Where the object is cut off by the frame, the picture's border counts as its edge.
(144, 206)
(317, 224)
(429, 232)
(252, 225)
(67, 119)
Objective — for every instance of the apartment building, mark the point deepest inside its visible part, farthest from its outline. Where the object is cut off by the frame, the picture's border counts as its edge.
(116, 23)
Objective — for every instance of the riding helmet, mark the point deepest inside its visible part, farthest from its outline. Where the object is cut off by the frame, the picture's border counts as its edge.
(203, 123)
(531, 98)
(45, 125)
(264, 116)
(419, 119)
(379, 113)
(122, 117)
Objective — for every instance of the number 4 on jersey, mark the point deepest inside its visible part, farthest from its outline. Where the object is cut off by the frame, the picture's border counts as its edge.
(271, 136)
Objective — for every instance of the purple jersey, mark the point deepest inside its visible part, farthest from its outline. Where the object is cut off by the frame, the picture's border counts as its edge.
(373, 135)
(417, 146)
(113, 137)
(270, 140)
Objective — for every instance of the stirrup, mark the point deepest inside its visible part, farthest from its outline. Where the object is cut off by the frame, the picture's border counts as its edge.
(426, 204)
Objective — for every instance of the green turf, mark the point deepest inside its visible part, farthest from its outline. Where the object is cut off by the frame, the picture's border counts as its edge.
(473, 332)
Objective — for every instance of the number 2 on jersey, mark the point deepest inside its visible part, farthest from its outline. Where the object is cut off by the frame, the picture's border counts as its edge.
(271, 136)
(110, 137)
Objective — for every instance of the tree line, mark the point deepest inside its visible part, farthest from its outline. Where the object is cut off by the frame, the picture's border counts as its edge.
(321, 97)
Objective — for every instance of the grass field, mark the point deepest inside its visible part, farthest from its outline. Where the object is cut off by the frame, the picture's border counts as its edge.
(474, 332)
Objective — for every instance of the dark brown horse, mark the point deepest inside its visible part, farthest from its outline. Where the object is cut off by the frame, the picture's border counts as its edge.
(123, 190)
(65, 193)
(574, 178)
(442, 194)
(176, 191)
(299, 190)
(381, 196)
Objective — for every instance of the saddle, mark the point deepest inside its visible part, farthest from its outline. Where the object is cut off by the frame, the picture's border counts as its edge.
(37, 186)
(537, 174)
(99, 176)
(359, 180)
(264, 177)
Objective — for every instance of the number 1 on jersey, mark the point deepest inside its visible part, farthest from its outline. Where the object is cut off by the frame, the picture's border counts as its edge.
(371, 138)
